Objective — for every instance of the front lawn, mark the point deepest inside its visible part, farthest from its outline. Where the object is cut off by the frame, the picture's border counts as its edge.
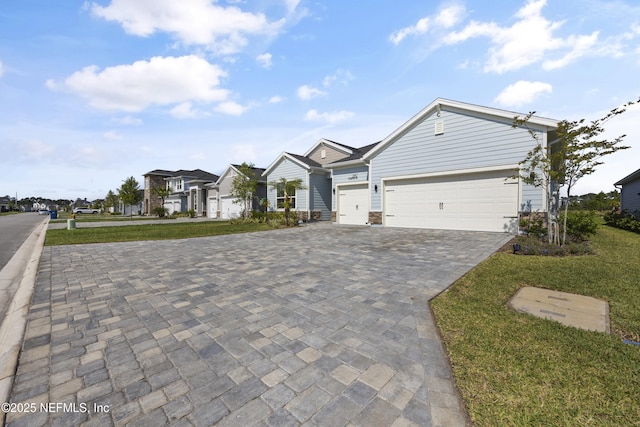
(519, 370)
(128, 233)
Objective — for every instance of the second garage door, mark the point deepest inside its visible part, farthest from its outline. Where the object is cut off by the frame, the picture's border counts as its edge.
(228, 209)
(353, 204)
(485, 201)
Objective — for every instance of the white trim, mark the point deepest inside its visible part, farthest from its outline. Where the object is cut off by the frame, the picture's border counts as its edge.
(453, 106)
(331, 144)
(452, 172)
(281, 157)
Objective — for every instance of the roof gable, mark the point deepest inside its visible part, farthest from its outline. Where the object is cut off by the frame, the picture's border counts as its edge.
(633, 176)
(455, 106)
(301, 161)
(336, 146)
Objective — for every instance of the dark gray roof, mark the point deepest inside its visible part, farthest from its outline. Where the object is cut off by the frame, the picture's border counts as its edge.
(358, 153)
(629, 178)
(257, 172)
(307, 161)
(160, 172)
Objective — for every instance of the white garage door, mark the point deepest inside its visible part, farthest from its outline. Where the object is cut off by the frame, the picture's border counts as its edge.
(483, 202)
(353, 205)
(213, 208)
(228, 209)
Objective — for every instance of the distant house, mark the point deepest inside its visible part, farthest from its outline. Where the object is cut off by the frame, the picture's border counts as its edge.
(4, 204)
(222, 204)
(314, 201)
(630, 193)
(188, 190)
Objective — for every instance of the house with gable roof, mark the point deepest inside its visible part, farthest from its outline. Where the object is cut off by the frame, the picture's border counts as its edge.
(222, 204)
(314, 201)
(452, 166)
(187, 190)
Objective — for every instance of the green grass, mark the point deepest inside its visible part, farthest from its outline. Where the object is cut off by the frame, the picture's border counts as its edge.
(64, 216)
(518, 370)
(130, 233)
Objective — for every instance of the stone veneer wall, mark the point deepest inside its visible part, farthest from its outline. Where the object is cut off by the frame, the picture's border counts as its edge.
(375, 218)
(151, 201)
(334, 216)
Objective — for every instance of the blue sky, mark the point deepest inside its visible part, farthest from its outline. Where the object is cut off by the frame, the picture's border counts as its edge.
(94, 92)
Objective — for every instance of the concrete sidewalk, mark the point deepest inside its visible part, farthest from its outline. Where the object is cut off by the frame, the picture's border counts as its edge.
(317, 325)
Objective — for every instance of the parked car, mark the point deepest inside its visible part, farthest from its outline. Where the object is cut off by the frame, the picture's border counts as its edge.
(85, 210)
(43, 212)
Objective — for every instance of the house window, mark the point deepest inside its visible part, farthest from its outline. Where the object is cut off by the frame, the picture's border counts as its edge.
(179, 185)
(280, 199)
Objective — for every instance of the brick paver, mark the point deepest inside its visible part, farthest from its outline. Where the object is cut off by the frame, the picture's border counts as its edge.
(317, 325)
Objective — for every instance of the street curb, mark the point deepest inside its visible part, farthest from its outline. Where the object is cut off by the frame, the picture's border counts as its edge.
(13, 325)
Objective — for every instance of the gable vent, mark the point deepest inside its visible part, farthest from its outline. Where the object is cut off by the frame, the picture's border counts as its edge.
(439, 127)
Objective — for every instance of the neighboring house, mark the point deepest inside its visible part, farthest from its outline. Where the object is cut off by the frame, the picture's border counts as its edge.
(350, 177)
(314, 201)
(153, 180)
(188, 190)
(128, 210)
(222, 204)
(451, 166)
(630, 193)
(5, 204)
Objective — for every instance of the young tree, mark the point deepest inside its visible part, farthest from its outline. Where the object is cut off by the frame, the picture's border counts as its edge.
(577, 152)
(286, 190)
(163, 193)
(110, 201)
(129, 193)
(243, 187)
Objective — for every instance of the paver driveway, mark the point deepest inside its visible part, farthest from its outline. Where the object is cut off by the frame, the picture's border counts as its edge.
(318, 325)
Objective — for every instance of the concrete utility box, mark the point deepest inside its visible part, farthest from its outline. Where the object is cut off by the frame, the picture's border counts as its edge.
(71, 224)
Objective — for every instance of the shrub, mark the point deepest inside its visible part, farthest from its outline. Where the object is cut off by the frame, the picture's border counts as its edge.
(161, 211)
(536, 228)
(624, 220)
(191, 213)
(530, 245)
(580, 225)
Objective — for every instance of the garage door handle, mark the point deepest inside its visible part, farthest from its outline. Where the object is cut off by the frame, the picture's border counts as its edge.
(509, 217)
(389, 215)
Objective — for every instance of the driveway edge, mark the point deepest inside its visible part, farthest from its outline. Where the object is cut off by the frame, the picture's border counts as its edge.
(14, 322)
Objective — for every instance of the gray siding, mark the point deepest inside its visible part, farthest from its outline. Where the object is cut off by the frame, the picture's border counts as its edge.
(320, 200)
(331, 154)
(289, 170)
(349, 175)
(225, 184)
(629, 198)
(467, 142)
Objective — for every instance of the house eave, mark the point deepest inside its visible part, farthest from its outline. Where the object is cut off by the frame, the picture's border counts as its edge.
(454, 106)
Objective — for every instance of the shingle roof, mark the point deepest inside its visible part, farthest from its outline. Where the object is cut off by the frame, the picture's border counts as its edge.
(357, 153)
(629, 178)
(307, 161)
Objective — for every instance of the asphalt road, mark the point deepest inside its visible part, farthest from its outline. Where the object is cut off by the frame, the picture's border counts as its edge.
(14, 230)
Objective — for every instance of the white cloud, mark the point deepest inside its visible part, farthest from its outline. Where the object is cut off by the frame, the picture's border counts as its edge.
(341, 76)
(231, 108)
(527, 41)
(277, 99)
(522, 92)
(112, 135)
(127, 120)
(223, 30)
(446, 18)
(159, 81)
(334, 117)
(185, 111)
(306, 92)
(264, 60)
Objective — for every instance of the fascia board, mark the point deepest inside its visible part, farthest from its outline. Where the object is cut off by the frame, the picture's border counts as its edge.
(453, 106)
(329, 143)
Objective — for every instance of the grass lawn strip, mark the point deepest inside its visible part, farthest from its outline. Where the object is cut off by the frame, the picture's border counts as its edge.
(516, 369)
(148, 232)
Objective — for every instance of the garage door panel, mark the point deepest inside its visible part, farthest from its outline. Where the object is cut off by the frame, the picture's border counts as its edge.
(461, 202)
(228, 209)
(353, 205)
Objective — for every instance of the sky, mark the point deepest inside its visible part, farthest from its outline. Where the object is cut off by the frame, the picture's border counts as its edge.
(93, 92)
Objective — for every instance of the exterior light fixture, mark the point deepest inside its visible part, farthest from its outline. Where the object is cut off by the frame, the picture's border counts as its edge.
(375, 188)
